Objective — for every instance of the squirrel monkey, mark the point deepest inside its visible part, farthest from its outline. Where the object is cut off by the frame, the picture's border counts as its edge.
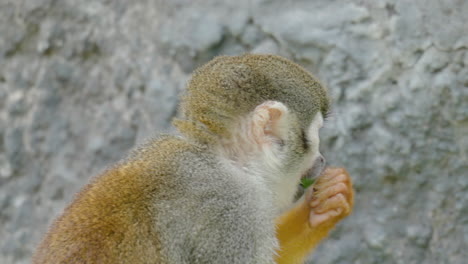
(222, 191)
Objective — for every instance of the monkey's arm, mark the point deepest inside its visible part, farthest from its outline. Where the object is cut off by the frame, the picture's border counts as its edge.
(300, 229)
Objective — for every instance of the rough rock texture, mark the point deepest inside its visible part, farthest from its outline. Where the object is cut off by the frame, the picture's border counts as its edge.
(81, 82)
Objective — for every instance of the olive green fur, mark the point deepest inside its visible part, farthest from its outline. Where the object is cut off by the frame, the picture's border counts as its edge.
(230, 87)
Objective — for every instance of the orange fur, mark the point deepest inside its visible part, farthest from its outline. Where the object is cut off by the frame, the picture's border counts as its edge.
(295, 233)
(111, 219)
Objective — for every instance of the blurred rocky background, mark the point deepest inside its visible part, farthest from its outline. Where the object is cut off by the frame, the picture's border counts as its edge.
(82, 82)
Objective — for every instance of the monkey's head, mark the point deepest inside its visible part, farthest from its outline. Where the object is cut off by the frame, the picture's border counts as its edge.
(263, 112)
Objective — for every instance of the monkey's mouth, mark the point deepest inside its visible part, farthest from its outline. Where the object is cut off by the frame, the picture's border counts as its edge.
(309, 177)
(309, 174)
(315, 171)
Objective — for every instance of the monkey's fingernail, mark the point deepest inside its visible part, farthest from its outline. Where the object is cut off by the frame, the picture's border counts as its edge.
(338, 211)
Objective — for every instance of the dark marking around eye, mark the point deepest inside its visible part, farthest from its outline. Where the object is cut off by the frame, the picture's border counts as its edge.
(305, 141)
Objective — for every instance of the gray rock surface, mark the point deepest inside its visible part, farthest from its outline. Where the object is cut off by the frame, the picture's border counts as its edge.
(82, 82)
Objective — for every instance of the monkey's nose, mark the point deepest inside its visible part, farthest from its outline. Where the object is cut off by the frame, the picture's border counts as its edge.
(319, 165)
(321, 160)
(316, 169)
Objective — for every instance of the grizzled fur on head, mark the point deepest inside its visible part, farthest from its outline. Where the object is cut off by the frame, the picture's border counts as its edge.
(230, 87)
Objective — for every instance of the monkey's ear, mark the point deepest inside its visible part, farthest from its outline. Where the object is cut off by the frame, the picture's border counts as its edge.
(270, 121)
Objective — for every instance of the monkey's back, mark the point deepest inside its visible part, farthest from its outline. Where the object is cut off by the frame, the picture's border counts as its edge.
(135, 213)
(111, 220)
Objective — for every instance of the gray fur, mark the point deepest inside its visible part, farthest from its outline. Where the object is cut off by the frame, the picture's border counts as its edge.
(220, 218)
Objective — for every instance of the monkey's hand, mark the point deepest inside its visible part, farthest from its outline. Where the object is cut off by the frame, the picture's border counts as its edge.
(330, 198)
(325, 203)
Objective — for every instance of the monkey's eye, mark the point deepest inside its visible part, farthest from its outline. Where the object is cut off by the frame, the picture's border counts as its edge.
(305, 141)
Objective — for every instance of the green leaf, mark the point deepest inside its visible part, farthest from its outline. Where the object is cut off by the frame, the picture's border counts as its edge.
(305, 183)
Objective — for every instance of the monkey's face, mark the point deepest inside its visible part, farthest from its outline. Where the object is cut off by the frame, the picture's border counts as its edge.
(274, 146)
(271, 145)
(313, 160)
(303, 159)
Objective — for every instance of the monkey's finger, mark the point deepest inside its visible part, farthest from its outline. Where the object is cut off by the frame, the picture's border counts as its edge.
(323, 194)
(336, 202)
(316, 219)
(330, 173)
(315, 194)
(328, 182)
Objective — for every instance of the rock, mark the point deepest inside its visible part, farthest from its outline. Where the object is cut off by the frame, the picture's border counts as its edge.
(82, 82)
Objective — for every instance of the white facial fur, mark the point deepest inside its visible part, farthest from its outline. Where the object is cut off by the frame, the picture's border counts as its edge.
(313, 133)
(262, 164)
(286, 186)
